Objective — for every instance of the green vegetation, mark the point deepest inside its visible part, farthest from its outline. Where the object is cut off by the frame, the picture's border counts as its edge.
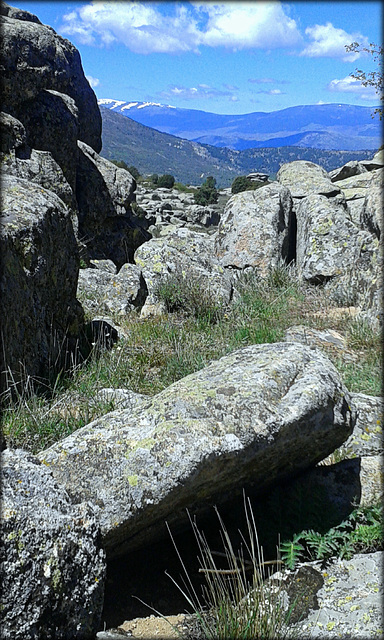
(157, 351)
(207, 193)
(242, 183)
(123, 165)
(362, 531)
(166, 180)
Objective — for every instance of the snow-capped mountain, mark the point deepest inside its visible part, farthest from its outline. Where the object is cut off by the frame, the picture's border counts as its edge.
(326, 126)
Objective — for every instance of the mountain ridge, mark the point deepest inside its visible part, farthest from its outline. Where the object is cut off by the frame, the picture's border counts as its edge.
(151, 151)
(329, 126)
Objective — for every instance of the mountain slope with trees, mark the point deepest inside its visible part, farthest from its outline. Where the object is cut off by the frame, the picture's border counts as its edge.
(191, 163)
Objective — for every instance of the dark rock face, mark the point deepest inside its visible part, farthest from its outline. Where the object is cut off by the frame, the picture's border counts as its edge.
(34, 58)
(41, 318)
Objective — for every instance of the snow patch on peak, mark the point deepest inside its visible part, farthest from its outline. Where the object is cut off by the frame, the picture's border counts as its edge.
(129, 105)
(117, 103)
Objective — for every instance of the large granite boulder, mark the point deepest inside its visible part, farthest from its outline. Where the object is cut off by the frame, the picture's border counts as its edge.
(40, 317)
(107, 224)
(53, 568)
(304, 178)
(255, 229)
(327, 241)
(260, 414)
(188, 252)
(34, 58)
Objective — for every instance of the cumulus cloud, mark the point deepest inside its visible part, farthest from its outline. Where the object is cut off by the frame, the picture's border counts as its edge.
(94, 82)
(147, 27)
(350, 85)
(330, 42)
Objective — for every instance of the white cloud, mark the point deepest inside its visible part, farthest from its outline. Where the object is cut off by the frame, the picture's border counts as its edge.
(201, 91)
(147, 27)
(350, 85)
(330, 42)
(272, 92)
(94, 82)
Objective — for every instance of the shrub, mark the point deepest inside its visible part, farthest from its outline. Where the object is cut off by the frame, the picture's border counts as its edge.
(189, 295)
(207, 193)
(242, 183)
(167, 181)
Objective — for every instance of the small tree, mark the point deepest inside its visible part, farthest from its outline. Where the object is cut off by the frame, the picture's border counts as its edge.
(167, 180)
(207, 193)
(134, 172)
(120, 163)
(154, 178)
(373, 78)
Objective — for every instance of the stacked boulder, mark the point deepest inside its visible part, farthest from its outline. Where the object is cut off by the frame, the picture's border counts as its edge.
(59, 198)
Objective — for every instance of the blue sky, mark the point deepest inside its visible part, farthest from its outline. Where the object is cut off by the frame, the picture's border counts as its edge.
(228, 57)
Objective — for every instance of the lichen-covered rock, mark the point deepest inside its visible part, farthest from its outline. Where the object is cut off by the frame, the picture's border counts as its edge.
(34, 58)
(41, 319)
(187, 252)
(53, 568)
(254, 229)
(107, 223)
(371, 216)
(367, 436)
(42, 169)
(304, 178)
(327, 241)
(361, 282)
(260, 414)
(102, 291)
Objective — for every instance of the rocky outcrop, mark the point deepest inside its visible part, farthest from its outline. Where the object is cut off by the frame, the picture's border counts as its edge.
(255, 229)
(259, 414)
(41, 318)
(173, 207)
(53, 568)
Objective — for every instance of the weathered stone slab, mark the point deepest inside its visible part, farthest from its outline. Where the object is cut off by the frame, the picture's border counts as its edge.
(260, 414)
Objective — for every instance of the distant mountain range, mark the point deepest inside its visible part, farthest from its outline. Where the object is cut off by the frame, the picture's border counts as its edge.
(327, 126)
(151, 151)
